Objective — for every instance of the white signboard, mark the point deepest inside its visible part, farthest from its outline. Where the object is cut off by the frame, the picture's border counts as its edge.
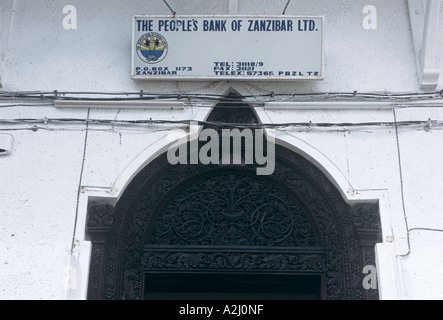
(227, 48)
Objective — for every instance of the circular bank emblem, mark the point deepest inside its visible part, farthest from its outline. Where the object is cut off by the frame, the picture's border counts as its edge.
(152, 48)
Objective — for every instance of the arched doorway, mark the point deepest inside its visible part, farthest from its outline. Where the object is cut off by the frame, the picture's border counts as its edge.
(183, 224)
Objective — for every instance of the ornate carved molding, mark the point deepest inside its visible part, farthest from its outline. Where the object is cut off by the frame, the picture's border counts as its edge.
(100, 217)
(98, 225)
(309, 261)
(231, 207)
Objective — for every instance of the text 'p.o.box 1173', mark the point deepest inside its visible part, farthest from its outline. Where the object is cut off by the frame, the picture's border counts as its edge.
(227, 48)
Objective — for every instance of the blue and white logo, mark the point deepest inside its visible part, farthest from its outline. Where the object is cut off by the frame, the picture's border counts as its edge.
(152, 48)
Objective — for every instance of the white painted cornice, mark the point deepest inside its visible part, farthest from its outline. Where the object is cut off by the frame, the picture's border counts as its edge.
(424, 16)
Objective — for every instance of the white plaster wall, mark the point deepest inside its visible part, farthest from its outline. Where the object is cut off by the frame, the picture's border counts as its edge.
(439, 56)
(421, 154)
(38, 189)
(40, 179)
(97, 55)
(419, 271)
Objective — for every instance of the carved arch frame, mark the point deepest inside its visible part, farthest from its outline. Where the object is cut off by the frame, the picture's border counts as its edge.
(347, 234)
